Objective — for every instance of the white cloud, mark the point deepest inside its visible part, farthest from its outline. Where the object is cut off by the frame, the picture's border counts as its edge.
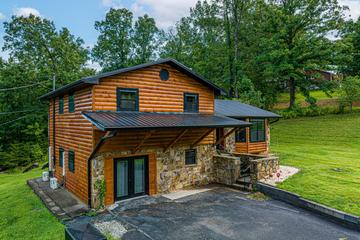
(2, 16)
(166, 12)
(26, 11)
(111, 3)
(354, 8)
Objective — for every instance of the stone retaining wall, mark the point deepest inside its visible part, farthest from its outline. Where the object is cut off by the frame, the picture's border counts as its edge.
(226, 169)
(263, 168)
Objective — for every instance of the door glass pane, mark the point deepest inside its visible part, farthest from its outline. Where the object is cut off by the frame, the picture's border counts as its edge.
(139, 175)
(122, 178)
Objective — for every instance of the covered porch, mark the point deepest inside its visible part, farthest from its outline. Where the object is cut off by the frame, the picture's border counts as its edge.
(148, 153)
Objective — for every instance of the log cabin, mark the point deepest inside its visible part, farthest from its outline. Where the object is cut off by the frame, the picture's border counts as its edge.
(147, 129)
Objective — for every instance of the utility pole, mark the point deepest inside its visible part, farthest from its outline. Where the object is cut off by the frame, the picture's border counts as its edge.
(54, 82)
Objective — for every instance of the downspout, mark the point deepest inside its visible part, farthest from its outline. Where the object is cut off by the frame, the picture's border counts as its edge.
(54, 151)
(108, 134)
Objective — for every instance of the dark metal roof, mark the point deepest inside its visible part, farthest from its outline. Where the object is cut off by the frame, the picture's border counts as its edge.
(107, 121)
(236, 109)
(92, 80)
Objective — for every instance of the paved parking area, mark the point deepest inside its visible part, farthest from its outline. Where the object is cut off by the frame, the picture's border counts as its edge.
(223, 213)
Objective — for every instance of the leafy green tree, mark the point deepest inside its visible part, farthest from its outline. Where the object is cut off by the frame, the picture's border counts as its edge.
(38, 54)
(350, 91)
(34, 41)
(113, 48)
(145, 40)
(348, 57)
(297, 42)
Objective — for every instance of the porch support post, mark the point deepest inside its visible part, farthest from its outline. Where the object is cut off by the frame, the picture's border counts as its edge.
(225, 136)
(147, 136)
(202, 137)
(108, 134)
(176, 139)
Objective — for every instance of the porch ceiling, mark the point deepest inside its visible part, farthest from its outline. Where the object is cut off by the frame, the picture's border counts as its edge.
(109, 121)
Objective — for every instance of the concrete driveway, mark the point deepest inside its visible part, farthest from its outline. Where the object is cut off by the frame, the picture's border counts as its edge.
(223, 213)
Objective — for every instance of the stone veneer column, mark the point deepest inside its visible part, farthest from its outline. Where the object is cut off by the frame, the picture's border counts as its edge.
(98, 173)
(230, 141)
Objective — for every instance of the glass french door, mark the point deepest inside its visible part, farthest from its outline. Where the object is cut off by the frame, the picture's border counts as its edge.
(131, 177)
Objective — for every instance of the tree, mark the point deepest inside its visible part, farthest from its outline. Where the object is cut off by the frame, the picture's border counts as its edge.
(38, 53)
(113, 48)
(145, 40)
(35, 42)
(297, 42)
(348, 57)
(350, 91)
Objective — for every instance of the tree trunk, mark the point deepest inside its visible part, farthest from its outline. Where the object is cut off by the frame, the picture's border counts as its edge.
(292, 89)
(236, 44)
(229, 46)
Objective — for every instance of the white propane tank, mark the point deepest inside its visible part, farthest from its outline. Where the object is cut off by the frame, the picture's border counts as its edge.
(45, 176)
(53, 183)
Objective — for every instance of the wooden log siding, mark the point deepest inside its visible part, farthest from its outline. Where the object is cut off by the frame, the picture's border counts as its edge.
(155, 95)
(73, 132)
(254, 147)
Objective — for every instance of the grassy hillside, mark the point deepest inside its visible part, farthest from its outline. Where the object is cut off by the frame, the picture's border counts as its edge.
(22, 215)
(327, 150)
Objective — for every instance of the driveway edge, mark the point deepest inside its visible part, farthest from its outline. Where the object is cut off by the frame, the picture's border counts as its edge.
(348, 220)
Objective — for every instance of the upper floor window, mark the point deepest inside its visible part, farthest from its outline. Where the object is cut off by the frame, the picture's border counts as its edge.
(61, 105)
(127, 99)
(191, 102)
(71, 103)
(257, 130)
(240, 135)
(71, 161)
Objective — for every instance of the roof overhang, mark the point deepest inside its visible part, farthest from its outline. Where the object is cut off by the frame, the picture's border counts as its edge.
(110, 121)
(237, 109)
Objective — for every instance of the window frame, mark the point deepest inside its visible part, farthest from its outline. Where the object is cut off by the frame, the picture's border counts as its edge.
(196, 95)
(61, 160)
(71, 108)
(118, 99)
(71, 161)
(194, 155)
(242, 130)
(255, 122)
(61, 105)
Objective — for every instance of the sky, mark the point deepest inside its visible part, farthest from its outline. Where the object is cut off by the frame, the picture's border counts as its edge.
(79, 15)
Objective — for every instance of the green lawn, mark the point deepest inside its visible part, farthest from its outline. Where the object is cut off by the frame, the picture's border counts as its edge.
(318, 94)
(327, 150)
(22, 214)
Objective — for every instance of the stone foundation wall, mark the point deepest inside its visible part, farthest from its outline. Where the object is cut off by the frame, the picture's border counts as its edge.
(172, 173)
(226, 169)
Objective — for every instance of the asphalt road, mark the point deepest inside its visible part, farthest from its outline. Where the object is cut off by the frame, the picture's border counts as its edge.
(226, 214)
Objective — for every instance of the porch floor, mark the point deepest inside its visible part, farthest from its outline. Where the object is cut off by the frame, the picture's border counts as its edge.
(63, 204)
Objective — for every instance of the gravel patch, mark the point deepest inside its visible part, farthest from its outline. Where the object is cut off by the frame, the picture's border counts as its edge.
(284, 173)
(114, 228)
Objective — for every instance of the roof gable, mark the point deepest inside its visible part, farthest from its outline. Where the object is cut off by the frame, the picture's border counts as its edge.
(94, 80)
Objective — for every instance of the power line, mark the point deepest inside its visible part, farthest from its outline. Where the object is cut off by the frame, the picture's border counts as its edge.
(20, 87)
(21, 111)
(5, 123)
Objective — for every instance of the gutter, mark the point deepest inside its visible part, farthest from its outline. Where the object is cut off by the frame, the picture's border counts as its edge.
(108, 134)
(276, 120)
